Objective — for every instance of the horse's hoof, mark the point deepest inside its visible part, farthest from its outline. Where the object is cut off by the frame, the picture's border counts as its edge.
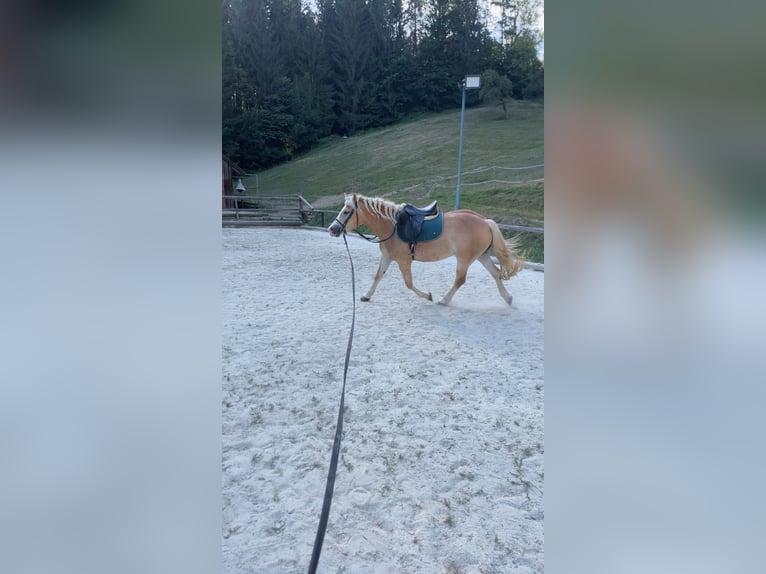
(364, 298)
(442, 303)
(430, 297)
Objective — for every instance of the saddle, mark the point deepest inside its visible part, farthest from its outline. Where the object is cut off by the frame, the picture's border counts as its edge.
(414, 224)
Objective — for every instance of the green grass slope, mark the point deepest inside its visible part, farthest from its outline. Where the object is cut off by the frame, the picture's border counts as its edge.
(416, 161)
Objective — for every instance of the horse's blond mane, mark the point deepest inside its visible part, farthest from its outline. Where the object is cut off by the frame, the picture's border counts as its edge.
(383, 208)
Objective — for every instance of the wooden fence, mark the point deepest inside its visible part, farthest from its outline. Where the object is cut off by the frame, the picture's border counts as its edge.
(265, 210)
(280, 210)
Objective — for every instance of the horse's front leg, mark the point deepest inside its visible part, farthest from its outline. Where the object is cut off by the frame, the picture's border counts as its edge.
(405, 266)
(385, 261)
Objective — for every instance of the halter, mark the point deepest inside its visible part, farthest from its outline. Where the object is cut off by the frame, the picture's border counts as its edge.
(343, 224)
(355, 210)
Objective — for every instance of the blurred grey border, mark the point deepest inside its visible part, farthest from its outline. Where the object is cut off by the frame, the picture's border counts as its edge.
(655, 275)
(110, 404)
(110, 392)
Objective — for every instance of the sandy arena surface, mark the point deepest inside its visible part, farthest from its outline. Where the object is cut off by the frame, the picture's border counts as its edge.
(441, 466)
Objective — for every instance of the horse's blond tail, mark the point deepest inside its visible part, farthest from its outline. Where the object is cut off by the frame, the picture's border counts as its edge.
(505, 251)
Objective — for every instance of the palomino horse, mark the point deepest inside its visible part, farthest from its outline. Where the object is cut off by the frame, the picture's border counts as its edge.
(466, 235)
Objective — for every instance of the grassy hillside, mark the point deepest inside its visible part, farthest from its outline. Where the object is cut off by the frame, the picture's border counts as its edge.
(416, 161)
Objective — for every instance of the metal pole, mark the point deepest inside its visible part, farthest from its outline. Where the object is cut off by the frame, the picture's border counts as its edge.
(460, 150)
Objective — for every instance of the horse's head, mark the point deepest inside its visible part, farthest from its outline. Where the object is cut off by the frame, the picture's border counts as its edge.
(345, 220)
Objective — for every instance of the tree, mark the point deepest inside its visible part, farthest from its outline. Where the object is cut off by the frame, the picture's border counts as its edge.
(414, 13)
(516, 16)
(294, 72)
(495, 89)
(536, 86)
(455, 43)
(521, 63)
(312, 85)
(349, 36)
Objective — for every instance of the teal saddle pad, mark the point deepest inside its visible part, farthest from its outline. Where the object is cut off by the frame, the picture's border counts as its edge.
(432, 229)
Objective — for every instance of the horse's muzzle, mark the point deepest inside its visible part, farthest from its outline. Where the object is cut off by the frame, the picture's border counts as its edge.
(335, 229)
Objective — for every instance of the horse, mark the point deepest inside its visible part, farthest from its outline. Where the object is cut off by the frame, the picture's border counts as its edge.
(466, 234)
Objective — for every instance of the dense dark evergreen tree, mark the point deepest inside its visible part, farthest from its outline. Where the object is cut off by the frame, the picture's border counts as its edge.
(293, 74)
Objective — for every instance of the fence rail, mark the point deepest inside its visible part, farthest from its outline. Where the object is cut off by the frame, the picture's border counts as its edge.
(297, 207)
(264, 209)
(524, 228)
(296, 210)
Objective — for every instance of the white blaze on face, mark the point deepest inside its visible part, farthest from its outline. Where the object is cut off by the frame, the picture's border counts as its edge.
(342, 218)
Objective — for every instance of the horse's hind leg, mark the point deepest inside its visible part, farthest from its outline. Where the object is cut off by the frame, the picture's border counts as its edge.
(406, 268)
(486, 260)
(460, 274)
(385, 261)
